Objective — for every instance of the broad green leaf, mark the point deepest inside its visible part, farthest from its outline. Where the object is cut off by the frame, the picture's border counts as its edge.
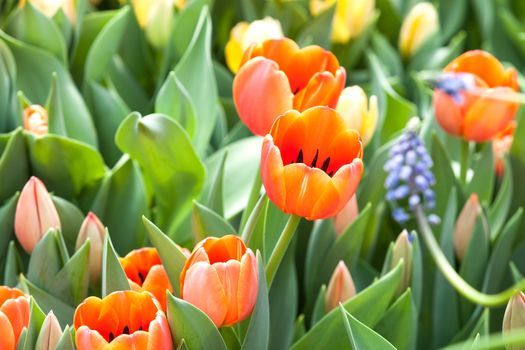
(13, 266)
(170, 254)
(54, 110)
(66, 341)
(39, 65)
(47, 259)
(113, 276)
(360, 336)
(517, 158)
(168, 159)
(71, 219)
(452, 16)
(399, 325)
(128, 85)
(497, 213)
(7, 89)
(216, 194)
(253, 233)
(206, 222)
(319, 307)
(14, 169)
(7, 221)
(482, 183)
(36, 319)
(195, 327)
(72, 281)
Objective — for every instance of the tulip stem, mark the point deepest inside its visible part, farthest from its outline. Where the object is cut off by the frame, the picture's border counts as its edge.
(280, 248)
(465, 289)
(464, 165)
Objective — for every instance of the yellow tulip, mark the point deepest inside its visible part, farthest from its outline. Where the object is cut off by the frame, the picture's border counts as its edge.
(358, 113)
(350, 19)
(244, 34)
(50, 7)
(421, 23)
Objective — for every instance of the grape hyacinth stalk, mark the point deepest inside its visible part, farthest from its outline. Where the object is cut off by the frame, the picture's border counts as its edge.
(410, 179)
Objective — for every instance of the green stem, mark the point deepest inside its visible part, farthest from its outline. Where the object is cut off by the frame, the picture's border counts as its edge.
(280, 248)
(251, 222)
(252, 199)
(465, 157)
(465, 289)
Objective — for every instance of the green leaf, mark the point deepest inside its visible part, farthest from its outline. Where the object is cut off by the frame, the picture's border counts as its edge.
(482, 182)
(174, 101)
(452, 16)
(517, 157)
(497, 213)
(47, 259)
(195, 72)
(13, 266)
(54, 110)
(253, 233)
(206, 222)
(399, 325)
(14, 170)
(66, 166)
(7, 89)
(71, 282)
(167, 157)
(360, 336)
(256, 337)
(39, 65)
(170, 254)
(319, 307)
(368, 305)
(71, 219)
(195, 327)
(36, 319)
(122, 191)
(66, 341)
(113, 276)
(7, 221)
(318, 31)
(216, 193)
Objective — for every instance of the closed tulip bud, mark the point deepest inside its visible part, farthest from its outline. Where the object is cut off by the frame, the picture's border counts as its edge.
(50, 333)
(35, 214)
(340, 288)
(159, 23)
(465, 225)
(346, 216)
(403, 250)
(350, 19)
(514, 317)
(36, 120)
(93, 230)
(421, 23)
(359, 113)
(50, 7)
(244, 34)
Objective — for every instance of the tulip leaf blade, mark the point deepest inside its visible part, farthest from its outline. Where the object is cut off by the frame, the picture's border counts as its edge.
(194, 326)
(320, 306)
(72, 281)
(71, 219)
(14, 168)
(368, 305)
(360, 336)
(497, 213)
(482, 182)
(66, 341)
(47, 259)
(206, 222)
(13, 266)
(113, 276)
(171, 256)
(258, 331)
(216, 194)
(36, 319)
(318, 31)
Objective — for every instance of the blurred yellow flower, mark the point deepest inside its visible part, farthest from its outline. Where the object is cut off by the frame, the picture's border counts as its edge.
(358, 112)
(350, 19)
(419, 25)
(244, 34)
(51, 7)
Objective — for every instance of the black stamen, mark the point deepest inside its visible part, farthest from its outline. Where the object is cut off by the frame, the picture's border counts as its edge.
(141, 276)
(314, 162)
(111, 336)
(300, 157)
(125, 330)
(140, 328)
(331, 173)
(326, 163)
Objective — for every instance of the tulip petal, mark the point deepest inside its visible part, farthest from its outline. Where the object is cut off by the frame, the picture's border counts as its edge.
(448, 113)
(7, 341)
(202, 288)
(228, 273)
(233, 50)
(489, 116)
(223, 249)
(323, 89)
(272, 172)
(260, 81)
(157, 282)
(87, 339)
(17, 311)
(248, 285)
(159, 334)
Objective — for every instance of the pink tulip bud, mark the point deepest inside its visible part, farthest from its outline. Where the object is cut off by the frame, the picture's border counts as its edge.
(346, 216)
(93, 230)
(50, 333)
(465, 225)
(403, 250)
(35, 214)
(340, 288)
(514, 318)
(36, 120)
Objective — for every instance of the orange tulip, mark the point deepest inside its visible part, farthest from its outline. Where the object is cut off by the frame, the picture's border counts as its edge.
(276, 76)
(501, 145)
(122, 320)
(14, 316)
(146, 273)
(311, 163)
(35, 214)
(480, 115)
(36, 120)
(220, 278)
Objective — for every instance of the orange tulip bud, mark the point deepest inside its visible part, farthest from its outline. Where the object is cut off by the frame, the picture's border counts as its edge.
(50, 333)
(346, 216)
(145, 272)
(514, 318)
(14, 316)
(122, 320)
(478, 116)
(501, 145)
(35, 120)
(220, 278)
(465, 225)
(340, 288)
(35, 214)
(93, 230)
(277, 75)
(311, 163)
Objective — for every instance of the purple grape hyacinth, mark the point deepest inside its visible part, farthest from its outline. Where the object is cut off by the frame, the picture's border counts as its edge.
(410, 180)
(454, 84)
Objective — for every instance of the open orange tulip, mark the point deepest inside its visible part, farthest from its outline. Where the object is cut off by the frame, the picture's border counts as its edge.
(146, 273)
(14, 316)
(122, 320)
(479, 116)
(276, 76)
(311, 163)
(220, 278)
